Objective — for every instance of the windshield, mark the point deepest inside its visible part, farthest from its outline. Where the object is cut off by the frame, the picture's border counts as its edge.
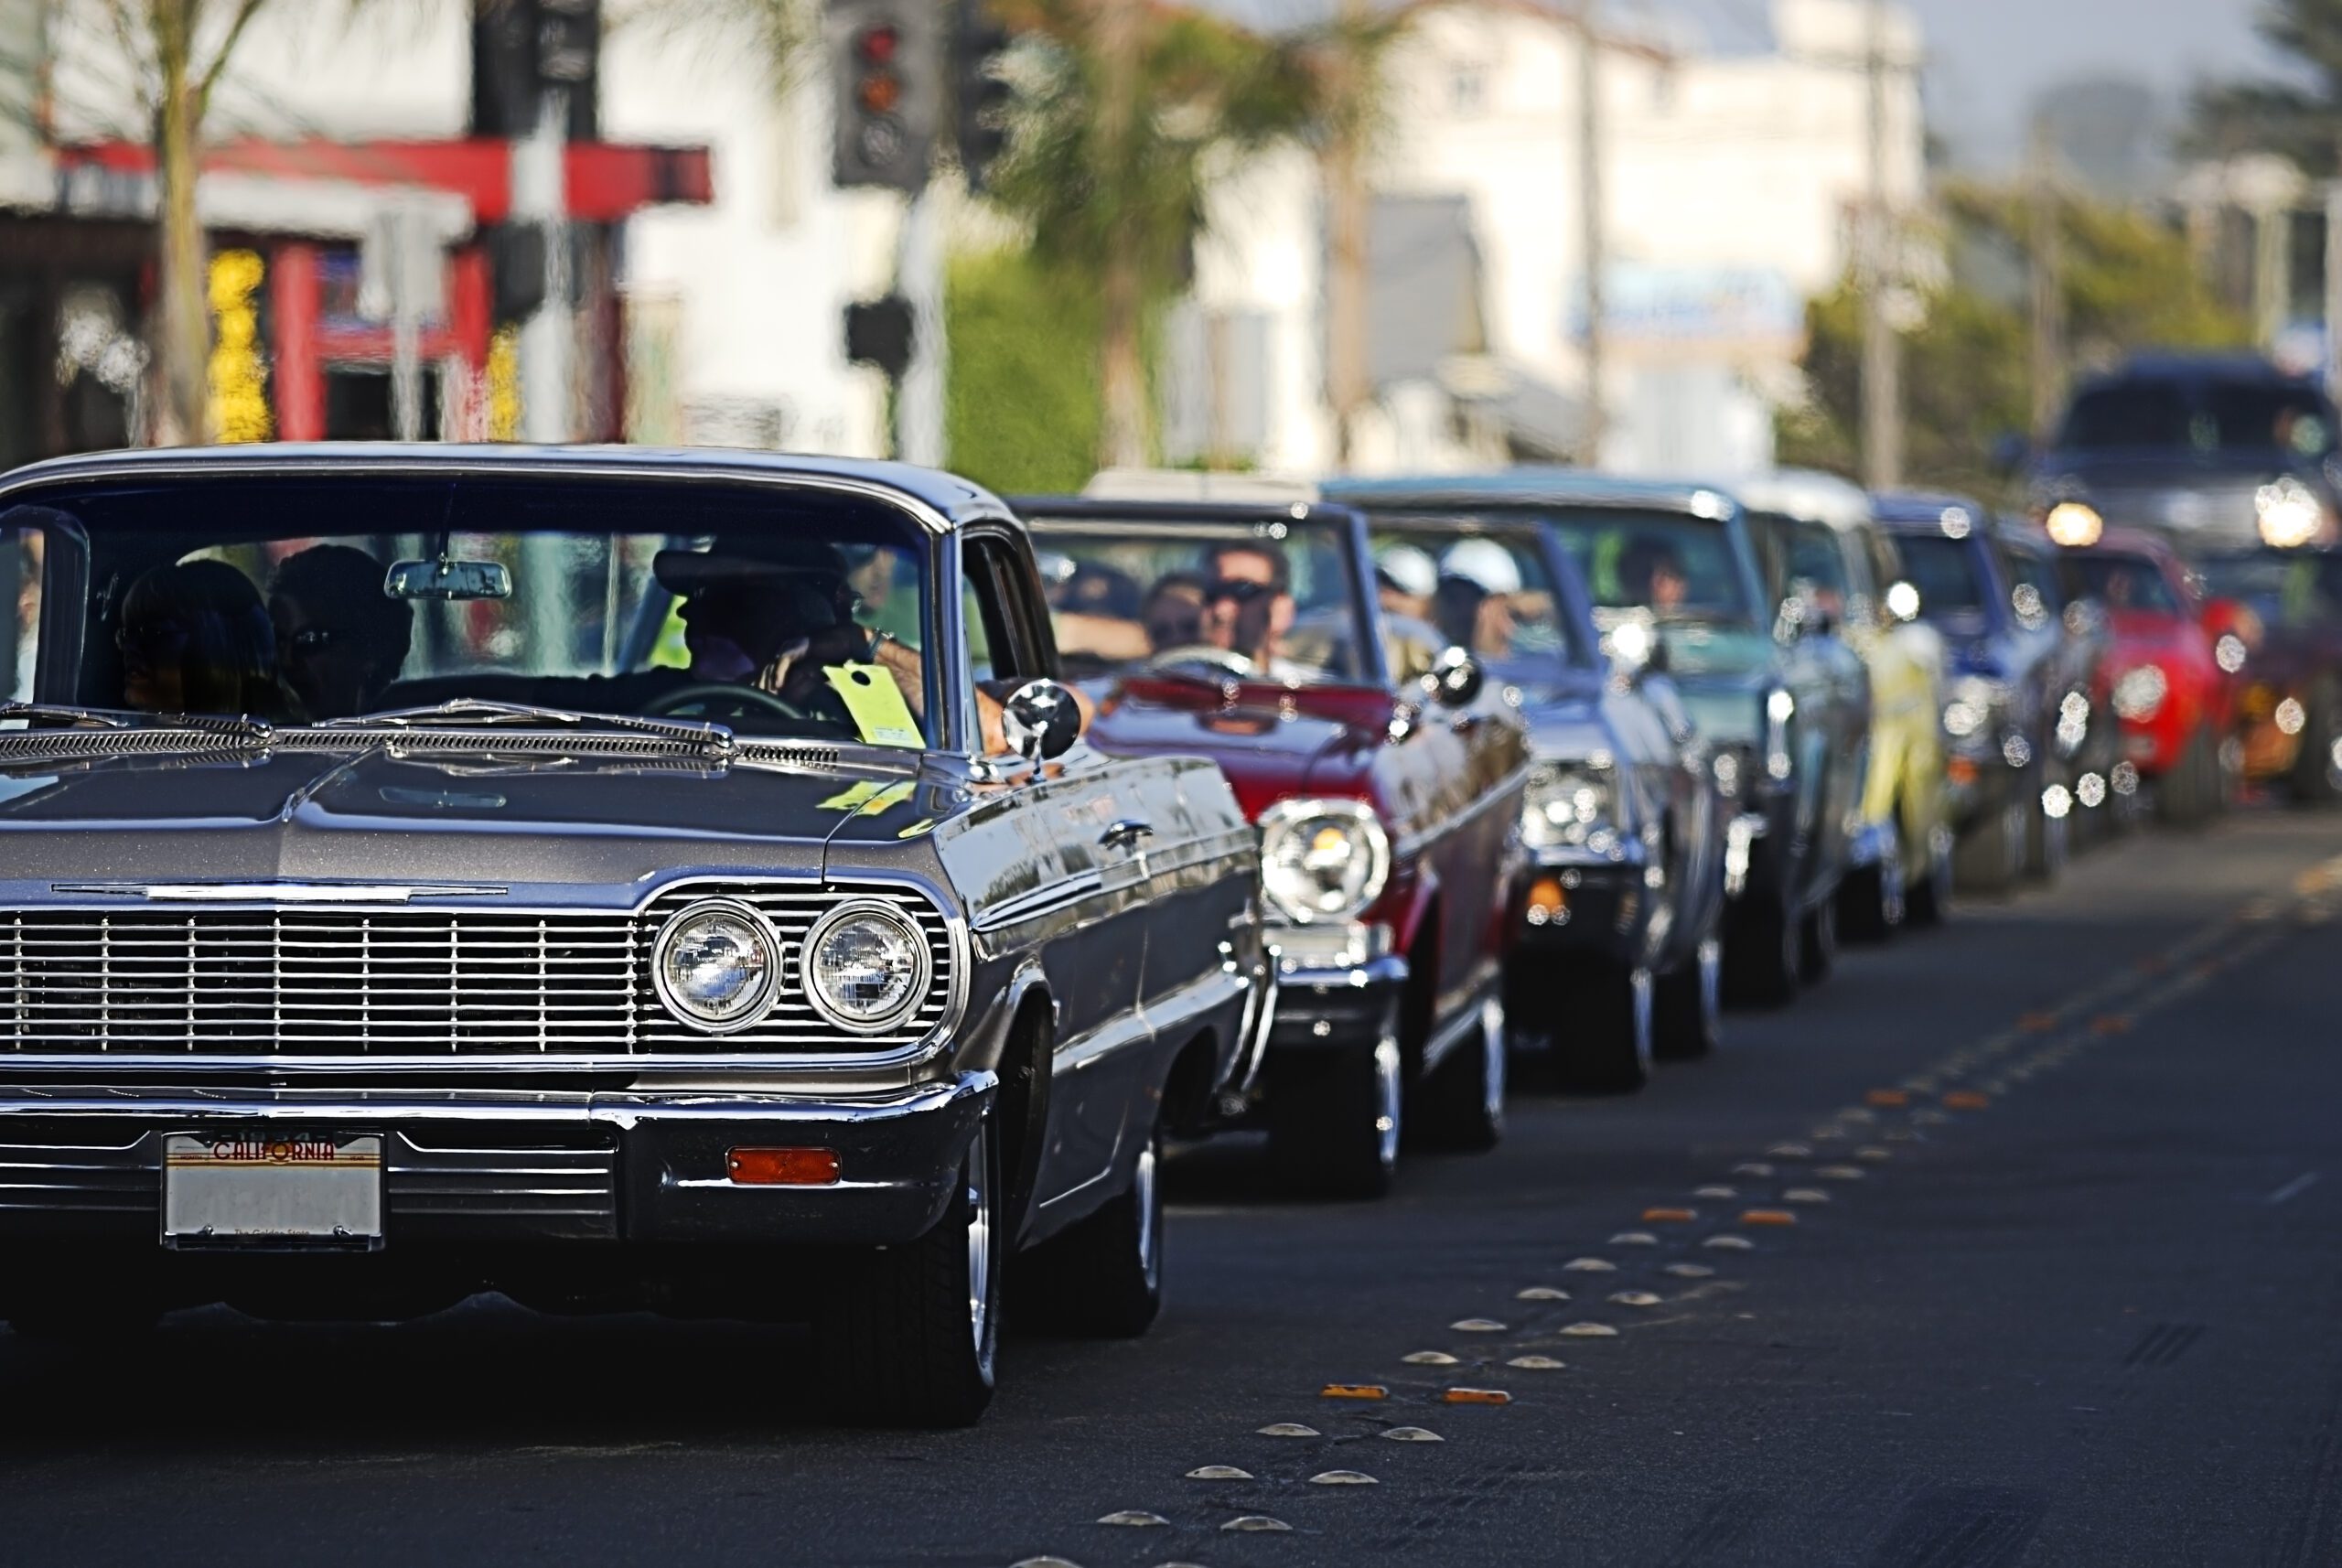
(2220, 417)
(1948, 573)
(1271, 601)
(1491, 593)
(751, 607)
(2122, 583)
(1679, 567)
(2283, 590)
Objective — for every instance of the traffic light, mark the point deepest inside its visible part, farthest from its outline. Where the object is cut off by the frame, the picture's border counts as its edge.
(980, 95)
(520, 48)
(885, 61)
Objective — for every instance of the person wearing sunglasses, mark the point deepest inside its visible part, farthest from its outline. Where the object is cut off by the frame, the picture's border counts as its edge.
(1247, 607)
(341, 638)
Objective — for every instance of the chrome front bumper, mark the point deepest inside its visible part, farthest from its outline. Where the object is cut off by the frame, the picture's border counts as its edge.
(494, 1166)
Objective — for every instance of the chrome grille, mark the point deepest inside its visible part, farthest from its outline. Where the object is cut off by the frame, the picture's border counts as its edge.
(406, 983)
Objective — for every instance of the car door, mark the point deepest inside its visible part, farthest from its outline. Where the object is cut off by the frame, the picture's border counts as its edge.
(1833, 750)
(1085, 814)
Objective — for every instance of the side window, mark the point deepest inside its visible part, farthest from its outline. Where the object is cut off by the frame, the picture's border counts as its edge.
(20, 601)
(1005, 642)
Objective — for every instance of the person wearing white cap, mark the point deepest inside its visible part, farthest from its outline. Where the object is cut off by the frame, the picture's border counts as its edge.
(1477, 580)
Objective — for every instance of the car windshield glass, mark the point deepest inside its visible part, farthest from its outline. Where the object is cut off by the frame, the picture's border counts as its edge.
(1679, 567)
(1491, 593)
(20, 560)
(2122, 583)
(1948, 573)
(1266, 600)
(2283, 590)
(2224, 416)
(313, 600)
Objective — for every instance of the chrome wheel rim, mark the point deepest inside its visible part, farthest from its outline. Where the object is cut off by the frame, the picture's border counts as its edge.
(1142, 1188)
(978, 1177)
(1388, 1099)
(1710, 987)
(1492, 1060)
(1638, 1008)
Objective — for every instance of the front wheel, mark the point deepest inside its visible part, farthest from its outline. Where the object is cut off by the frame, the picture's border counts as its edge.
(1686, 1014)
(1602, 1029)
(1461, 1104)
(1989, 854)
(1334, 1118)
(1928, 901)
(1103, 1278)
(911, 1334)
(1818, 942)
(2316, 776)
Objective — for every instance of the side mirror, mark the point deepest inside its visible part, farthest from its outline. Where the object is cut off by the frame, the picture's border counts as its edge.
(1040, 720)
(1455, 679)
(2009, 451)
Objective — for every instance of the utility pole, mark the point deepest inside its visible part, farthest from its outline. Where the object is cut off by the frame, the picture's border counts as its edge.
(1882, 350)
(2046, 255)
(1592, 242)
(2334, 289)
(1349, 366)
(920, 426)
(548, 337)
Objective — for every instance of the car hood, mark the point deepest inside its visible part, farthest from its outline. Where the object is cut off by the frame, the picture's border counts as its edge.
(1270, 742)
(2206, 497)
(1568, 725)
(365, 814)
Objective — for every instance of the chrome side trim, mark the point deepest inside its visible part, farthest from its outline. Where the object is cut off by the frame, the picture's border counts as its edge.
(1041, 901)
(1415, 844)
(272, 892)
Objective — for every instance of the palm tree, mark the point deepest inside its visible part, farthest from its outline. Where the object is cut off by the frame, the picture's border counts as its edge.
(1126, 113)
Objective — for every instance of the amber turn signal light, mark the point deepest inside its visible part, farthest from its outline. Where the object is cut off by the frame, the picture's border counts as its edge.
(783, 1167)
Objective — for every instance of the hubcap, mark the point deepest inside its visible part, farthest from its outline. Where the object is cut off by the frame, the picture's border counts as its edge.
(979, 1194)
(1710, 987)
(1492, 1059)
(1142, 1188)
(1639, 1002)
(1387, 1101)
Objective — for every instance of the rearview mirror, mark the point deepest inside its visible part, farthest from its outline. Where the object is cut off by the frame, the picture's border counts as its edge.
(1040, 720)
(446, 579)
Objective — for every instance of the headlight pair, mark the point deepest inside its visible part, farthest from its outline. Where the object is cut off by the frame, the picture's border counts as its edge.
(2139, 693)
(717, 964)
(1323, 860)
(1567, 803)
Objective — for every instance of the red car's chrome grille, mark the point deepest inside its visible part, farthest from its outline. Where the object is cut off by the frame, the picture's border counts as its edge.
(403, 983)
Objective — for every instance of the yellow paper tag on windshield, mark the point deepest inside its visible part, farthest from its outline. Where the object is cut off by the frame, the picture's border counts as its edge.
(876, 703)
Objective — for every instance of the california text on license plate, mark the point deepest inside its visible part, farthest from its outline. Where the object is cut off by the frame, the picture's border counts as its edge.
(296, 1189)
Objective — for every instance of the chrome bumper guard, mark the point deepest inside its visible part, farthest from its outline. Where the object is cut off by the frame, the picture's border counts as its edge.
(491, 1165)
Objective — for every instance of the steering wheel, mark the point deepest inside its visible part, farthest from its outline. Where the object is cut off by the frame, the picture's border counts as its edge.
(1219, 660)
(715, 701)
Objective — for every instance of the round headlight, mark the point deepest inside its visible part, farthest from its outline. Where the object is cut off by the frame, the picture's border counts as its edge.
(865, 966)
(2139, 693)
(1323, 860)
(717, 965)
(1565, 803)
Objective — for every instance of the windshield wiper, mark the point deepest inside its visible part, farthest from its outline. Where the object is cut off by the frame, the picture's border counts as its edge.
(712, 737)
(229, 726)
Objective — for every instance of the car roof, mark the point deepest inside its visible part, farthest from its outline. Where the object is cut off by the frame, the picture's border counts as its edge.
(1905, 509)
(2127, 541)
(1536, 485)
(942, 500)
(1101, 508)
(2174, 364)
(1807, 494)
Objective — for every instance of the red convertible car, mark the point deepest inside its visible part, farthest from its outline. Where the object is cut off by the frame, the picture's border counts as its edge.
(2171, 674)
(1385, 776)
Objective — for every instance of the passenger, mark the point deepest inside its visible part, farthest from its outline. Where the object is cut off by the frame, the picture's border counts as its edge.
(1652, 573)
(1404, 580)
(340, 640)
(195, 639)
(1172, 614)
(1477, 581)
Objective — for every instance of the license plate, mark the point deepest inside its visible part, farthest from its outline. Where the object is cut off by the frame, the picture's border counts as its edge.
(303, 1189)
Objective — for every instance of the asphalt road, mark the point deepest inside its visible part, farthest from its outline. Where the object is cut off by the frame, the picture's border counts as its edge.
(2062, 1286)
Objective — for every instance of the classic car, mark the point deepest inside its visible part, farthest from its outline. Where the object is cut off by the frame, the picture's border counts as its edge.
(1617, 908)
(2171, 682)
(1999, 713)
(2085, 737)
(2213, 451)
(1385, 776)
(1830, 563)
(617, 879)
(2289, 710)
(1677, 559)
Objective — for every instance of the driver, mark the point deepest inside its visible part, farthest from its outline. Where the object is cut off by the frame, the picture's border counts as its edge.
(1247, 607)
(1653, 574)
(769, 612)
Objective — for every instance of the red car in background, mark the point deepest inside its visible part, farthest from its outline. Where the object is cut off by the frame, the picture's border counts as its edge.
(1386, 783)
(2171, 675)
